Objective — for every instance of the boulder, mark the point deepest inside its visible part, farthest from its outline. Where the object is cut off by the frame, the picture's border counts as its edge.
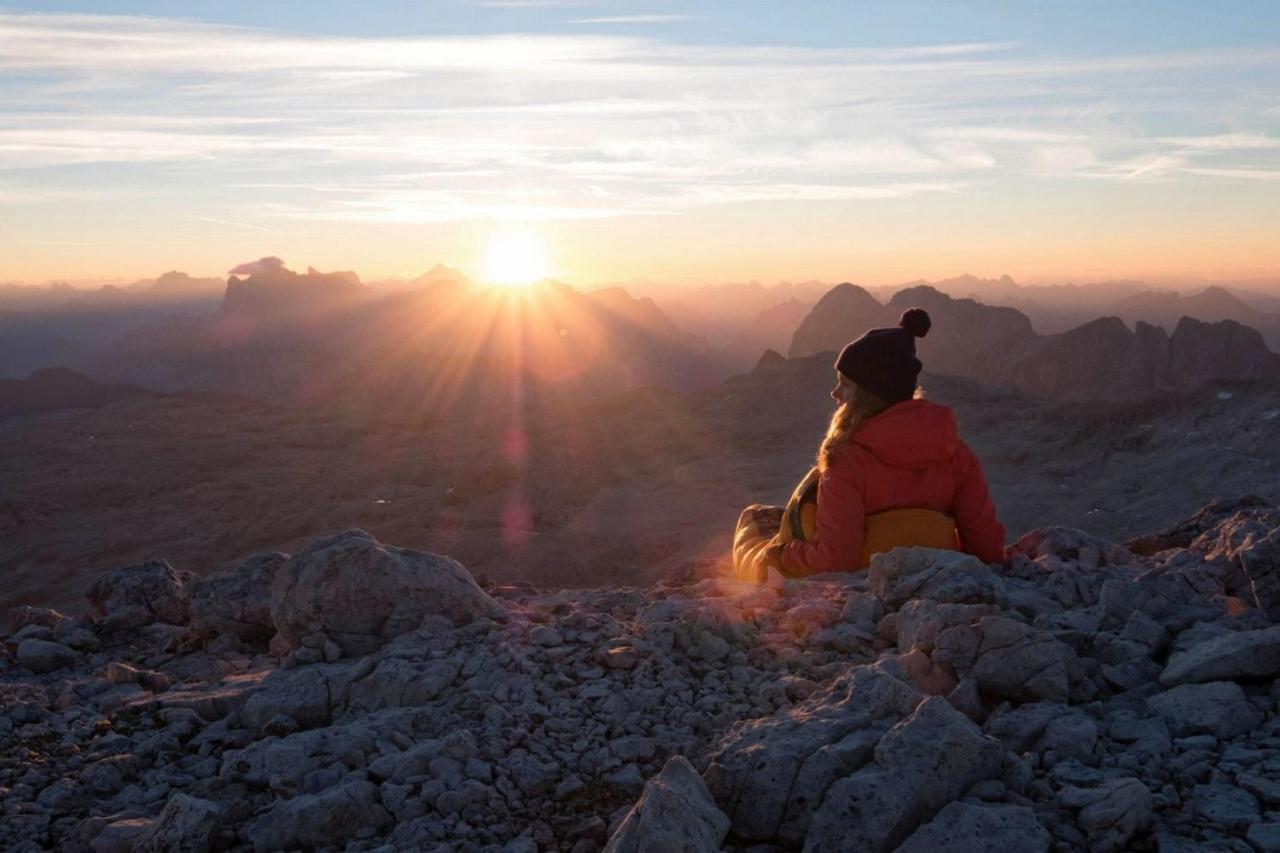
(1238, 656)
(1226, 806)
(308, 695)
(921, 621)
(769, 774)
(1112, 813)
(1068, 543)
(139, 595)
(904, 574)
(24, 615)
(185, 825)
(361, 593)
(1017, 662)
(119, 836)
(1218, 708)
(237, 602)
(1164, 596)
(1265, 837)
(921, 765)
(963, 827)
(1021, 727)
(325, 819)
(1261, 562)
(675, 812)
(45, 655)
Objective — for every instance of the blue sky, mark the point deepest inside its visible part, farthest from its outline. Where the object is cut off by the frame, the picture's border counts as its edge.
(689, 141)
(1086, 25)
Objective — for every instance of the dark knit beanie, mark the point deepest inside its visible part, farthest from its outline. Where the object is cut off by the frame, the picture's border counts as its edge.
(884, 360)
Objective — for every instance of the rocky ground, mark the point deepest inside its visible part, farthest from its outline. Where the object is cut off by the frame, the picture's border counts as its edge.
(1087, 696)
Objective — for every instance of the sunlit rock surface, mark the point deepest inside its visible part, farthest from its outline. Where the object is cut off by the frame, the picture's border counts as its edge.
(1086, 696)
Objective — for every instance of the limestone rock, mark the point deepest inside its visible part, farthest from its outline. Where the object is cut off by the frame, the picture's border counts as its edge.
(1219, 708)
(921, 621)
(768, 775)
(1017, 662)
(1265, 837)
(24, 615)
(360, 593)
(319, 820)
(952, 577)
(119, 836)
(963, 827)
(308, 695)
(922, 764)
(45, 655)
(1226, 806)
(237, 602)
(1113, 813)
(1261, 562)
(1068, 543)
(185, 825)
(1237, 656)
(138, 595)
(674, 813)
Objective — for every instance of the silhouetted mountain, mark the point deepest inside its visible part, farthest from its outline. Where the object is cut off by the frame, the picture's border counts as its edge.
(283, 337)
(842, 314)
(1105, 360)
(281, 294)
(178, 284)
(771, 329)
(1051, 308)
(53, 388)
(1101, 359)
(63, 325)
(967, 338)
(31, 297)
(720, 312)
(1166, 308)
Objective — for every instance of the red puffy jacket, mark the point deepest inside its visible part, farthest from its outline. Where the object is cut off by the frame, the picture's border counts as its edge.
(908, 456)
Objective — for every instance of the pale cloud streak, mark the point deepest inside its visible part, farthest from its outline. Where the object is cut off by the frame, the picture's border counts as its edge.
(633, 19)
(588, 126)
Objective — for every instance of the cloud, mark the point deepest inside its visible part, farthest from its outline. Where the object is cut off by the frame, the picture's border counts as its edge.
(258, 267)
(634, 19)
(529, 4)
(215, 221)
(590, 125)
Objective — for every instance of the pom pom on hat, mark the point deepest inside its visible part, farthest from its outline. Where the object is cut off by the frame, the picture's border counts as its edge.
(916, 321)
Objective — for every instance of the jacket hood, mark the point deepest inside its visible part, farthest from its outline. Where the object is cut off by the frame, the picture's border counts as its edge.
(910, 434)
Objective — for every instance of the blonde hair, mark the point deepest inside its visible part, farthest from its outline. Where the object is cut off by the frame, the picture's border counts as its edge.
(863, 405)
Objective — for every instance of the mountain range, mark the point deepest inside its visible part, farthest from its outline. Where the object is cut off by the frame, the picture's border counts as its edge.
(285, 337)
(1101, 359)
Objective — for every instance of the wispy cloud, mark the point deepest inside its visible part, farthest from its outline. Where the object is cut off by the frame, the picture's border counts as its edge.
(590, 125)
(530, 4)
(633, 19)
(215, 221)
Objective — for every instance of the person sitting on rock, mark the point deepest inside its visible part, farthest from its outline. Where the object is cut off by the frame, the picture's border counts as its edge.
(892, 471)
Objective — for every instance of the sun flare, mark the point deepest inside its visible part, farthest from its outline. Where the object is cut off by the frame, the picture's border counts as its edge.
(515, 259)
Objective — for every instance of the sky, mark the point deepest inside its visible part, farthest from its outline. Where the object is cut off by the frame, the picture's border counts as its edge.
(663, 141)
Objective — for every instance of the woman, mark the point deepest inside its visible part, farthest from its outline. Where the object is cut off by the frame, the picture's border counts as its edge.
(891, 471)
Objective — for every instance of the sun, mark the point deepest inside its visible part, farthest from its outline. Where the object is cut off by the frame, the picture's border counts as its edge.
(515, 258)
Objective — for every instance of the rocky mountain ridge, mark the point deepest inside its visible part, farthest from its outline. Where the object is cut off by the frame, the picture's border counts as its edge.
(324, 338)
(53, 388)
(1085, 696)
(1101, 359)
